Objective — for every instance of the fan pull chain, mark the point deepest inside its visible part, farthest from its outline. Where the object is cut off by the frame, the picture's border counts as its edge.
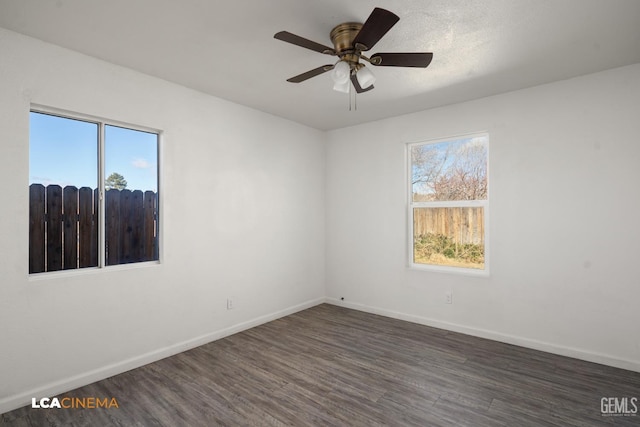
(353, 106)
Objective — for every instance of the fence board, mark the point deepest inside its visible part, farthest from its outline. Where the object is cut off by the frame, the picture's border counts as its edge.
(95, 228)
(70, 230)
(112, 226)
(137, 219)
(54, 228)
(126, 229)
(87, 229)
(36, 228)
(462, 225)
(149, 232)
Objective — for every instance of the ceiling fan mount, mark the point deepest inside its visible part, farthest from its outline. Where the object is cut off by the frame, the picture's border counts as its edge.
(349, 40)
(342, 36)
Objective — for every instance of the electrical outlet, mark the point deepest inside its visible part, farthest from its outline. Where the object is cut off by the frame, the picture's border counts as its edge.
(229, 303)
(448, 297)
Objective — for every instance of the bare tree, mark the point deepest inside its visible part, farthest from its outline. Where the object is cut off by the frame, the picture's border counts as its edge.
(449, 172)
(428, 163)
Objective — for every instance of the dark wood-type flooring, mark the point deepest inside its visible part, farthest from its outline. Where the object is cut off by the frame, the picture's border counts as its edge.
(333, 366)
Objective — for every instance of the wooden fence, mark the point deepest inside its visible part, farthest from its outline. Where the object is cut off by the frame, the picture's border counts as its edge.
(462, 225)
(63, 227)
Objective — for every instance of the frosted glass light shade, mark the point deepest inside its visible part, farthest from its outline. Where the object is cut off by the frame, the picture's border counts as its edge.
(365, 78)
(341, 72)
(342, 87)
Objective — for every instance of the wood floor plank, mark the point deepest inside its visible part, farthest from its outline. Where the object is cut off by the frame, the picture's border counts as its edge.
(330, 366)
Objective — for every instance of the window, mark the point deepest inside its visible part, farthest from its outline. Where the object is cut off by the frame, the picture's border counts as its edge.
(448, 203)
(93, 193)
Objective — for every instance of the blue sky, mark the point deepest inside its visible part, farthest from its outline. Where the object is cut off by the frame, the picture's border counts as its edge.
(65, 152)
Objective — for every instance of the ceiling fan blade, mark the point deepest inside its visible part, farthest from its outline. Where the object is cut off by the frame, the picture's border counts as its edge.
(357, 86)
(378, 23)
(414, 59)
(311, 73)
(288, 37)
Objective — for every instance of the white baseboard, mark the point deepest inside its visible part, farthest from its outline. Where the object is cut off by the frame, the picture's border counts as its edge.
(47, 390)
(576, 353)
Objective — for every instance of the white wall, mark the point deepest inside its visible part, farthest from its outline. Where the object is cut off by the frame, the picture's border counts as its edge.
(257, 236)
(564, 209)
(563, 225)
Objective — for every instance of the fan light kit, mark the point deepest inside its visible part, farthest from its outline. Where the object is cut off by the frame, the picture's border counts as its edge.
(349, 40)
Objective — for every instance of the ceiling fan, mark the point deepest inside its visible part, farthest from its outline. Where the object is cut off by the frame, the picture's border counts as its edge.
(350, 40)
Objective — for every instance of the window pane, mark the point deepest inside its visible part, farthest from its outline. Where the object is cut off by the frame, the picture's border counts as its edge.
(451, 237)
(451, 170)
(63, 175)
(131, 198)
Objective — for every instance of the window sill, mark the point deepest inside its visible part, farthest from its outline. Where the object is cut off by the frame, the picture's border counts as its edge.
(36, 277)
(449, 270)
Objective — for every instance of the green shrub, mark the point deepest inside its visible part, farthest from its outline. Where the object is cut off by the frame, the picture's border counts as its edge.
(428, 245)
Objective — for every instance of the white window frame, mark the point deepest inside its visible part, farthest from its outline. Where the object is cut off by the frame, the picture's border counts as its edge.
(102, 123)
(411, 205)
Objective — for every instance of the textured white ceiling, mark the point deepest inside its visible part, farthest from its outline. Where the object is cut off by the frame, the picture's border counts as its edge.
(227, 49)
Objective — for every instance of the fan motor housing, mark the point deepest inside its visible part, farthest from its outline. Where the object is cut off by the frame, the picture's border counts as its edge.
(342, 36)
